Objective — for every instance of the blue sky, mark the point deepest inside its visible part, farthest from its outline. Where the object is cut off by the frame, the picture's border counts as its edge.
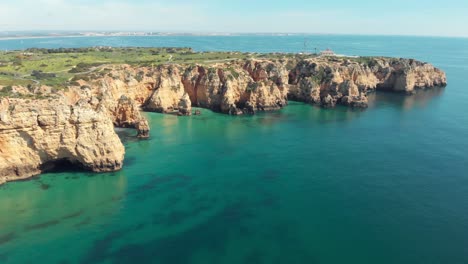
(395, 17)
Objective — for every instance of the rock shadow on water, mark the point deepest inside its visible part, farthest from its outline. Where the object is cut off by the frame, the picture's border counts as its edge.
(84, 222)
(235, 212)
(178, 217)
(270, 175)
(322, 116)
(211, 235)
(6, 238)
(173, 200)
(61, 166)
(126, 135)
(100, 249)
(156, 181)
(43, 186)
(130, 161)
(73, 215)
(74, 177)
(42, 225)
(420, 98)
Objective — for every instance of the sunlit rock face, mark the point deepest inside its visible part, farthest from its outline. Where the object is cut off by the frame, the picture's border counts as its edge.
(76, 125)
(37, 135)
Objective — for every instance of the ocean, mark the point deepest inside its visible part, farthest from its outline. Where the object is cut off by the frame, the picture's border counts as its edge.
(388, 184)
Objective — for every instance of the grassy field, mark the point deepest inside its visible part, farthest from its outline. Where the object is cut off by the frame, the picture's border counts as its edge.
(58, 67)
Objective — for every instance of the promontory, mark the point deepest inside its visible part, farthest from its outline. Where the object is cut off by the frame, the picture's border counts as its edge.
(60, 106)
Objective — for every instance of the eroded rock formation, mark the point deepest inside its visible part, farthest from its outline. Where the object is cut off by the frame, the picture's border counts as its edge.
(35, 136)
(76, 125)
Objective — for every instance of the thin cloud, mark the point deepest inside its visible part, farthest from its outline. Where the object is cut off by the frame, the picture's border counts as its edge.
(211, 16)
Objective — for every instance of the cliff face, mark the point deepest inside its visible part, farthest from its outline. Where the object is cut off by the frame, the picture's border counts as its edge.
(259, 85)
(329, 82)
(77, 126)
(244, 87)
(406, 75)
(236, 88)
(35, 136)
(168, 90)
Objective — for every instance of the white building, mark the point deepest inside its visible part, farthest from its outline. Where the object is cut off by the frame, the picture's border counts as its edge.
(327, 52)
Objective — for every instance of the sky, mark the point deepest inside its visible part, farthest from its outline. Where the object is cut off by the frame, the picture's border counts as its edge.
(394, 17)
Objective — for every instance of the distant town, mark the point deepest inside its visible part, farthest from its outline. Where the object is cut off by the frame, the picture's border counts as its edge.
(43, 34)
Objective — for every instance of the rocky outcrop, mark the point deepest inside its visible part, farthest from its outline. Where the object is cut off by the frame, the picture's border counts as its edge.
(168, 90)
(406, 75)
(76, 125)
(245, 87)
(185, 106)
(248, 86)
(127, 114)
(328, 82)
(39, 135)
(234, 88)
(142, 128)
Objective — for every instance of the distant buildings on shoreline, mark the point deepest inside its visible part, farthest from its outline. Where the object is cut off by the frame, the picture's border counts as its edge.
(327, 52)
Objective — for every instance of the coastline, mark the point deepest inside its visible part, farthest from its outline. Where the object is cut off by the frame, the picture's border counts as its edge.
(76, 123)
(38, 37)
(226, 35)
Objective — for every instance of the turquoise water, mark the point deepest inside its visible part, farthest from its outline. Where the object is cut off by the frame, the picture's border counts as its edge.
(302, 185)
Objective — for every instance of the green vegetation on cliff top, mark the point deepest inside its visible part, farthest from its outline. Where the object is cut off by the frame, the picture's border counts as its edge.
(58, 68)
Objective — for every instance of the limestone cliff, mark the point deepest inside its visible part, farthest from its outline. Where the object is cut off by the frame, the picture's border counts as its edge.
(35, 136)
(329, 82)
(231, 88)
(406, 75)
(247, 86)
(168, 90)
(76, 124)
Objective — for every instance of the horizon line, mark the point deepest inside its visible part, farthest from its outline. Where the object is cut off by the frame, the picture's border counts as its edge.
(206, 33)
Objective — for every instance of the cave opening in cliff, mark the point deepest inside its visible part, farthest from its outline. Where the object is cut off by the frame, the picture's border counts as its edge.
(60, 165)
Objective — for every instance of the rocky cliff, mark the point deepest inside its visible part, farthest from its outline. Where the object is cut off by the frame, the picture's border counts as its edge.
(36, 136)
(259, 85)
(76, 125)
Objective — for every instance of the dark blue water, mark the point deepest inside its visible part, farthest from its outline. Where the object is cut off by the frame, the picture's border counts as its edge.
(302, 185)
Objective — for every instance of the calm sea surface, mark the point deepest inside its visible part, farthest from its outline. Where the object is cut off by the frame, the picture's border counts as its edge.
(302, 185)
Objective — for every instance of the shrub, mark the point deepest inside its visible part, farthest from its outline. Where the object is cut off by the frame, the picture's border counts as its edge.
(31, 88)
(139, 77)
(233, 72)
(7, 89)
(83, 67)
(252, 87)
(80, 77)
(40, 75)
